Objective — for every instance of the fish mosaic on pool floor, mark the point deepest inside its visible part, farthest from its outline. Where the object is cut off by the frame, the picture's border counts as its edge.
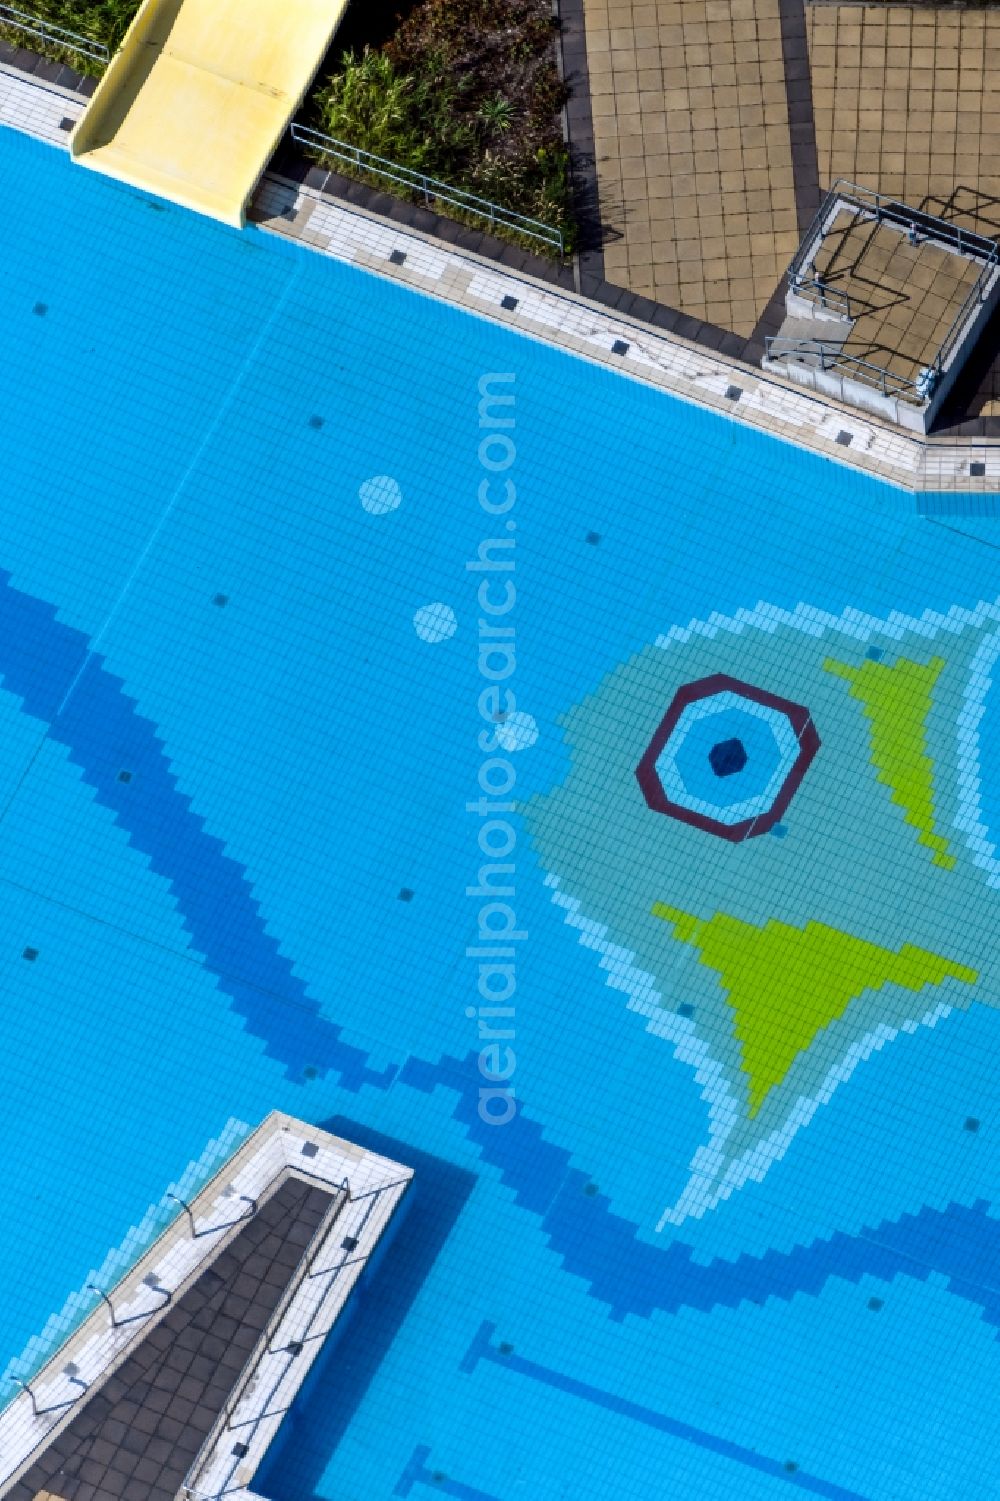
(771, 833)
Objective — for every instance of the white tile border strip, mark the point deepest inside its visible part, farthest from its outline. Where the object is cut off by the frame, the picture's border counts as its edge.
(267, 1159)
(136, 1240)
(572, 323)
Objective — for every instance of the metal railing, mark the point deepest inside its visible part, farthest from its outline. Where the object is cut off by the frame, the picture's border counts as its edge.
(814, 352)
(430, 189)
(918, 225)
(305, 1271)
(977, 293)
(922, 226)
(57, 36)
(819, 290)
(929, 226)
(881, 207)
(153, 1282)
(71, 1371)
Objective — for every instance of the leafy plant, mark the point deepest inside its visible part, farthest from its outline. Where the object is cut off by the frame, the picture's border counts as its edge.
(466, 91)
(497, 113)
(102, 21)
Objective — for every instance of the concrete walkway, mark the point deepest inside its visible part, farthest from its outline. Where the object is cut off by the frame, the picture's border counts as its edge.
(694, 153)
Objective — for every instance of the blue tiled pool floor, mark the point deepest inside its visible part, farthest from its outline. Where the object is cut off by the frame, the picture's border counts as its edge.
(738, 1237)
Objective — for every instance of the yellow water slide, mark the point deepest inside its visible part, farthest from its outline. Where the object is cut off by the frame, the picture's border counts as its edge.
(199, 95)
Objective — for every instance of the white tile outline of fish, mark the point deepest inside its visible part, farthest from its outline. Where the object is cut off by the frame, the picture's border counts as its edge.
(705, 1189)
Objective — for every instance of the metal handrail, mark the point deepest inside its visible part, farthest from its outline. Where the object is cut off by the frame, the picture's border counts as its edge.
(977, 293)
(431, 188)
(265, 1345)
(883, 206)
(154, 1285)
(818, 290)
(304, 1271)
(918, 223)
(299, 1171)
(40, 1412)
(815, 224)
(966, 242)
(829, 360)
(47, 31)
(213, 1229)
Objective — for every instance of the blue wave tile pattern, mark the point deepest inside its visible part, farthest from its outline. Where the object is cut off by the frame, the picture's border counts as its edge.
(96, 720)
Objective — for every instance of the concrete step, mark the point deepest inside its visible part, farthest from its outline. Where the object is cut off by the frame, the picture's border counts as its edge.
(830, 331)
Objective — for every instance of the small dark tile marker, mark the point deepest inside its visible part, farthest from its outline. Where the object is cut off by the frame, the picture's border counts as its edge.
(309, 1073)
(40, 309)
(727, 758)
(316, 423)
(30, 954)
(593, 538)
(124, 776)
(972, 1124)
(310, 1149)
(66, 123)
(619, 347)
(240, 1451)
(294, 1347)
(875, 1304)
(406, 895)
(590, 1189)
(439, 1477)
(508, 302)
(780, 830)
(349, 1243)
(397, 257)
(844, 439)
(505, 1348)
(977, 469)
(791, 1466)
(685, 1009)
(874, 654)
(221, 600)
(734, 392)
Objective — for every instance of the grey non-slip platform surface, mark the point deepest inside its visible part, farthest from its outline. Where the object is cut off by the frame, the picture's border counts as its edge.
(135, 1438)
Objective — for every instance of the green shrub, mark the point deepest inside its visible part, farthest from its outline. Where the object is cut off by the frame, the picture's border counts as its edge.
(395, 115)
(466, 91)
(104, 21)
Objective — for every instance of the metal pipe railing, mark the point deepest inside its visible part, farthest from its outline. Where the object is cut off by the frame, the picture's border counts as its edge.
(819, 290)
(304, 1272)
(430, 189)
(867, 371)
(918, 225)
(977, 293)
(214, 1229)
(59, 36)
